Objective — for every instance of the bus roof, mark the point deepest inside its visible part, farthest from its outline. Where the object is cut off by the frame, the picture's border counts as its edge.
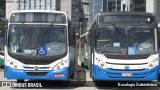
(38, 11)
(126, 17)
(45, 11)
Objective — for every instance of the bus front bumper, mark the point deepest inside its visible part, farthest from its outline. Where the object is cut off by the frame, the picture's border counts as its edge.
(118, 75)
(11, 73)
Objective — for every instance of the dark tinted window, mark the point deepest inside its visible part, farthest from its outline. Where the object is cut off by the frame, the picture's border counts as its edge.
(125, 18)
(38, 17)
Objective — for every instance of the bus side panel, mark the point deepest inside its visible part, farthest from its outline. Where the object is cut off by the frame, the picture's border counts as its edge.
(92, 44)
(159, 63)
(5, 67)
(72, 50)
(5, 71)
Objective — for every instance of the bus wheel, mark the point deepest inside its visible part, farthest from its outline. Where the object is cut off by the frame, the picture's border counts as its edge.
(20, 80)
(97, 83)
(2, 67)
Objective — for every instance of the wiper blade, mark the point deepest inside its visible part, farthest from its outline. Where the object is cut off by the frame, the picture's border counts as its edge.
(45, 33)
(117, 29)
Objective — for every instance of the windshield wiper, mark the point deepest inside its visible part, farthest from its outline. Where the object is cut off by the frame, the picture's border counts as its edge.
(117, 29)
(45, 33)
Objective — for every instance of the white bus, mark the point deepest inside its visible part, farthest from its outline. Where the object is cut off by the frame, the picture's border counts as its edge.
(39, 46)
(123, 46)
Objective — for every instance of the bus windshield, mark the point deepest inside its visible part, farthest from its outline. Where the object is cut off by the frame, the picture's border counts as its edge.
(27, 39)
(125, 40)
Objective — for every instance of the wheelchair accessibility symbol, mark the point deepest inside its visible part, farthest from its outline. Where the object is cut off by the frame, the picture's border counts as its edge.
(42, 51)
(131, 51)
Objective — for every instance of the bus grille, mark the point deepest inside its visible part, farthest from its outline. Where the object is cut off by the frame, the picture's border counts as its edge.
(36, 73)
(37, 62)
(38, 67)
(127, 63)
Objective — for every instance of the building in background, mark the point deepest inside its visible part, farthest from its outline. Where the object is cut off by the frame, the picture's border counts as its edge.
(111, 5)
(124, 5)
(96, 6)
(153, 6)
(66, 6)
(2, 8)
(85, 4)
(88, 8)
(139, 5)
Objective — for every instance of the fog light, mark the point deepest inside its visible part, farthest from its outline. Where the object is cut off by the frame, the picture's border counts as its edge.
(62, 63)
(15, 66)
(151, 65)
(154, 61)
(97, 59)
(58, 67)
(11, 63)
(65, 61)
(102, 65)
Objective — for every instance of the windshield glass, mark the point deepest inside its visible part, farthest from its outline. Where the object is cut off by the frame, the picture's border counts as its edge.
(125, 40)
(37, 40)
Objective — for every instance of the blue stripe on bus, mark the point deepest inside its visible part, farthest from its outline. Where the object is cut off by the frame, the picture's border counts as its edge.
(21, 74)
(159, 63)
(141, 75)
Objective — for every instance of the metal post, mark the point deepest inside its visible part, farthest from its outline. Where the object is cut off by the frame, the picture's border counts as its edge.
(107, 6)
(40, 4)
(29, 4)
(116, 5)
(45, 5)
(24, 4)
(93, 8)
(80, 47)
(19, 4)
(34, 4)
(50, 4)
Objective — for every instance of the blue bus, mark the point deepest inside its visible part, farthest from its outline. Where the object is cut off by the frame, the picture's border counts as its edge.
(40, 46)
(123, 46)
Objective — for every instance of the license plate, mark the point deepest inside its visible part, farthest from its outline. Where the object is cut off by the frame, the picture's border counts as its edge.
(127, 74)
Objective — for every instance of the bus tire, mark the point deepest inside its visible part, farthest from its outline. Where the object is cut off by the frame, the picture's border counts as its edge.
(2, 67)
(20, 80)
(97, 83)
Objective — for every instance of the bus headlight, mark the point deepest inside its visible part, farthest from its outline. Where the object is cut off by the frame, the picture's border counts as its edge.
(61, 65)
(100, 63)
(13, 64)
(153, 63)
